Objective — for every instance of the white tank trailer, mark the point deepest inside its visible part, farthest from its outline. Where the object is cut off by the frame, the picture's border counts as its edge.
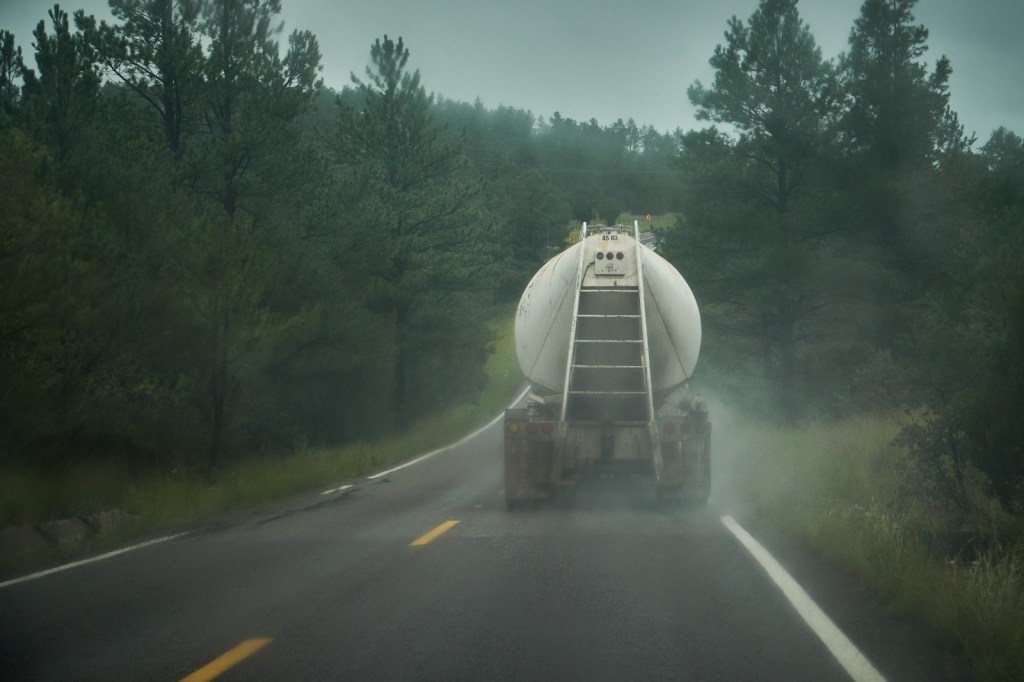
(608, 333)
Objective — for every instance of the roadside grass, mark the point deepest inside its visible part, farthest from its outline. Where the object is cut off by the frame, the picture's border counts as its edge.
(159, 502)
(266, 478)
(656, 223)
(845, 490)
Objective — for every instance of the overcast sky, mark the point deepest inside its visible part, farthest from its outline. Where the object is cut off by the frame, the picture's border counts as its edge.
(609, 59)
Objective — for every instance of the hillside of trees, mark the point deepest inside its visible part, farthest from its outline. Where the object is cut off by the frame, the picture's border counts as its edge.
(205, 253)
(852, 248)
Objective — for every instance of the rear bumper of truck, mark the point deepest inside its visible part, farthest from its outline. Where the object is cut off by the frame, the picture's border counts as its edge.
(541, 454)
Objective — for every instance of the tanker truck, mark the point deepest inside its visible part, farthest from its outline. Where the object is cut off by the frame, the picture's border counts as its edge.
(607, 333)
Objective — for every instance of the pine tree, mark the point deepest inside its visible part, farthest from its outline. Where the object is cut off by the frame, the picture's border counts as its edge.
(897, 109)
(421, 233)
(896, 130)
(156, 53)
(12, 68)
(753, 224)
(62, 97)
(251, 101)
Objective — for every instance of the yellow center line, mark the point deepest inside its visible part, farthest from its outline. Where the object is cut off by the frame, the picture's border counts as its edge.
(227, 661)
(424, 539)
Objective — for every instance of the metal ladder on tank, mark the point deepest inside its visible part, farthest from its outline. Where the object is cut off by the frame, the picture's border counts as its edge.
(609, 371)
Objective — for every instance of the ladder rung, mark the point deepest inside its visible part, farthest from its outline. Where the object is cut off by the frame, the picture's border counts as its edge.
(630, 317)
(608, 392)
(601, 290)
(609, 340)
(608, 366)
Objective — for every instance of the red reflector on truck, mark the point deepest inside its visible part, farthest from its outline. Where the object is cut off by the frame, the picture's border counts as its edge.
(668, 427)
(547, 427)
(531, 427)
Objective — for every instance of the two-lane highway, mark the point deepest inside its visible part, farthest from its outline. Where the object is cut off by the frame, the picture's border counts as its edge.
(421, 574)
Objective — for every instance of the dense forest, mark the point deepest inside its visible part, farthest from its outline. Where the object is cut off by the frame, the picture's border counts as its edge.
(207, 253)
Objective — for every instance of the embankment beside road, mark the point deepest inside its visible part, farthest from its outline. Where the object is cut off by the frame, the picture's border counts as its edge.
(845, 490)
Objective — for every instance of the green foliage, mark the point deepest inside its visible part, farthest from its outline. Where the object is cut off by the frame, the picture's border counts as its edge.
(61, 376)
(251, 99)
(773, 86)
(181, 257)
(423, 250)
(1003, 186)
(156, 500)
(896, 127)
(207, 257)
(849, 249)
(539, 174)
(756, 236)
(62, 96)
(155, 52)
(12, 68)
(847, 491)
(897, 108)
(974, 339)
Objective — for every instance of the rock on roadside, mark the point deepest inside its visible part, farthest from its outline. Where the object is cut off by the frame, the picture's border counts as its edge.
(19, 543)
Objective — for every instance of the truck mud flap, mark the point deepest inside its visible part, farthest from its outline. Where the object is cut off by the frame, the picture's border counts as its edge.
(529, 466)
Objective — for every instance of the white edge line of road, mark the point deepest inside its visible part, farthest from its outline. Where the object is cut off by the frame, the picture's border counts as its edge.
(108, 555)
(75, 564)
(339, 489)
(844, 651)
(430, 454)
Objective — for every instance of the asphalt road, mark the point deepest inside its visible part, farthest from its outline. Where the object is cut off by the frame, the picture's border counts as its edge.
(601, 585)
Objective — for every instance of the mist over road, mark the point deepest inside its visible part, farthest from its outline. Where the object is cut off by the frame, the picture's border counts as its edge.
(598, 585)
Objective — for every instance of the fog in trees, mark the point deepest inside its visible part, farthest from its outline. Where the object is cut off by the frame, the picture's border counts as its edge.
(207, 254)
